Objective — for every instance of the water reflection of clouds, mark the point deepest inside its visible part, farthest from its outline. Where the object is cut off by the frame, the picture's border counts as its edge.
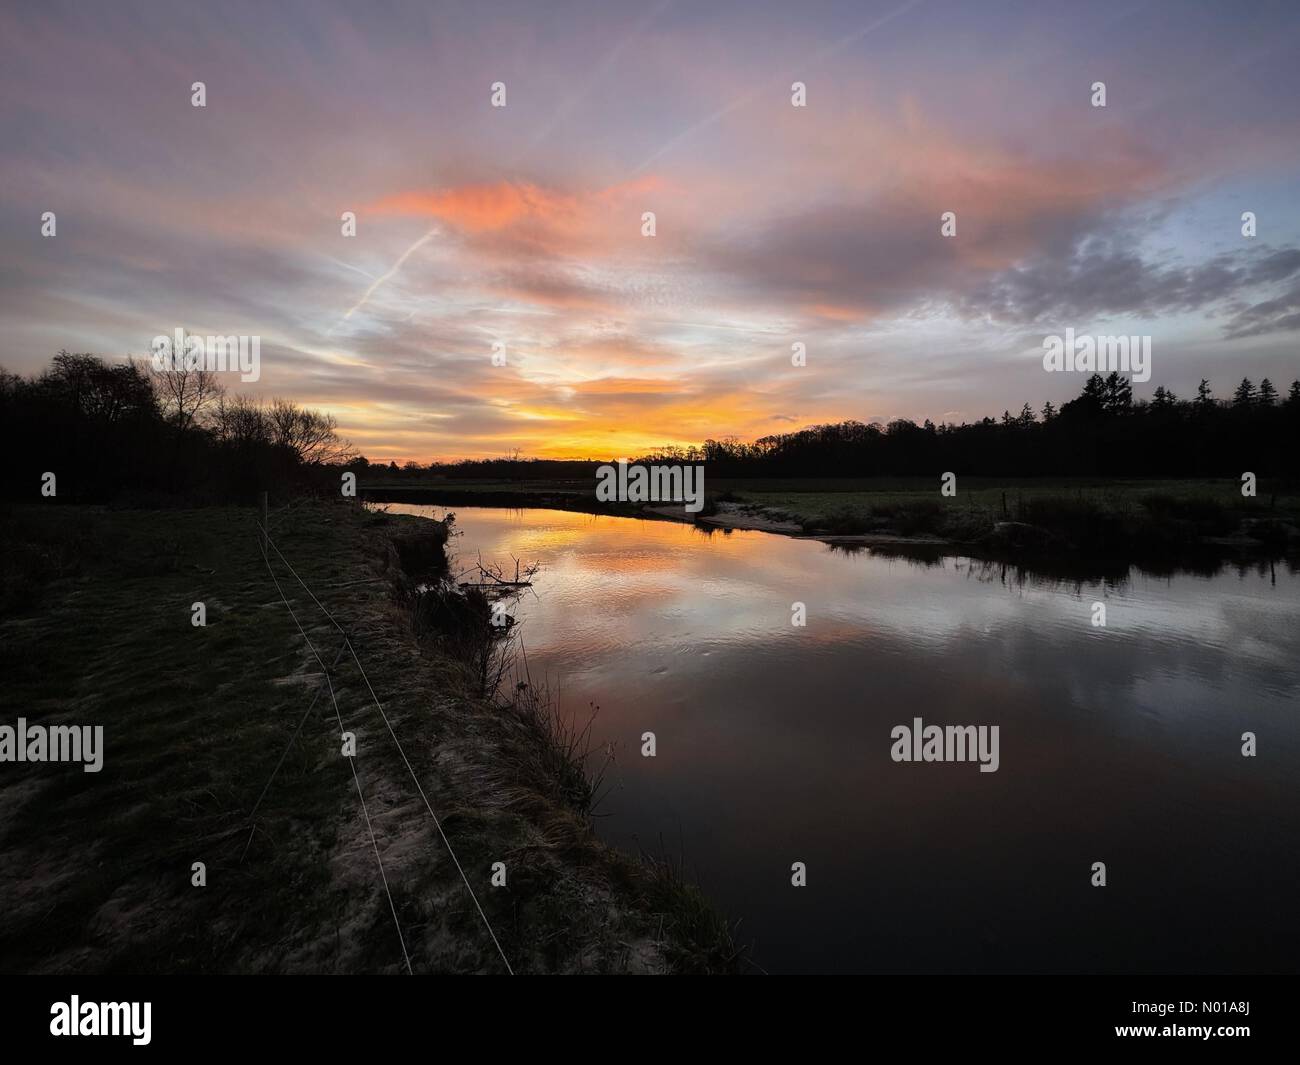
(631, 574)
(652, 603)
(774, 741)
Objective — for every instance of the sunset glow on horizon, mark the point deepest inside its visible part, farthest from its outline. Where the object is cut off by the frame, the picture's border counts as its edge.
(522, 225)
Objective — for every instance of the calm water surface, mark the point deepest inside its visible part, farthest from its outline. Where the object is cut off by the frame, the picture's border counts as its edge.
(1120, 745)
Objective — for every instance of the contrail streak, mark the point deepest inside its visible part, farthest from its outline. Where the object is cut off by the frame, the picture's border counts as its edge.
(374, 285)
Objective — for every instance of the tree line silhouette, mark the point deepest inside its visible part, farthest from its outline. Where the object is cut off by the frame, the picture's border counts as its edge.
(128, 432)
(1103, 432)
(113, 431)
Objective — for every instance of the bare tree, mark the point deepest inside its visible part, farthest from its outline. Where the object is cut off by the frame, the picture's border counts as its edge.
(184, 392)
(240, 419)
(313, 436)
(99, 390)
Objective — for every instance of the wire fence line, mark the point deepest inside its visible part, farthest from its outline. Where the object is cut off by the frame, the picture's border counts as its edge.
(287, 747)
(351, 761)
(265, 541)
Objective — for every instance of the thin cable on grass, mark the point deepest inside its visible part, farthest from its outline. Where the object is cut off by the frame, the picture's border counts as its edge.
(269, 780)
(309, 592)
(419, 787)
(351, 761)
(437, 824)
(366, 813)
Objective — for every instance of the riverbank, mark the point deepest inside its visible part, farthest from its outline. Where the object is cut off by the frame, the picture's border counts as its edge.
(1154, 524)
(222, 747)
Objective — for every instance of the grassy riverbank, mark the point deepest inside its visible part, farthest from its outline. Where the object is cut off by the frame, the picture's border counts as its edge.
(95, 628)
(1107, 516)
(1013, 519)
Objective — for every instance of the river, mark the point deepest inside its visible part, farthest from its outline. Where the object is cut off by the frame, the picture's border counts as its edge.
(1119, 744)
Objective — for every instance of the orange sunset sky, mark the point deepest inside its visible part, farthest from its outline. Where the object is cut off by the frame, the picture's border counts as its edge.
(522, 225)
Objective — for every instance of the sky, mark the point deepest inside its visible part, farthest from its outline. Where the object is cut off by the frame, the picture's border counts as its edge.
(521, 226)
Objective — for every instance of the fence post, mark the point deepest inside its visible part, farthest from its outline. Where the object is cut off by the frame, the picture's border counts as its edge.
(266, 532)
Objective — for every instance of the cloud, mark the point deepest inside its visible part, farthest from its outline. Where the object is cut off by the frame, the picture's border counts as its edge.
(522, 225)
(1103, 277)
(1268, 316)
(479, 208)
(873, 248)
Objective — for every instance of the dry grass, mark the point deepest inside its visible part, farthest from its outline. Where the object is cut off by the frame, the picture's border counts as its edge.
(97, 867)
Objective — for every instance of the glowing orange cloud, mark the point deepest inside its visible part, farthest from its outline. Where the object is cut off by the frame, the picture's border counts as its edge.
(481, 208)
(485, 208)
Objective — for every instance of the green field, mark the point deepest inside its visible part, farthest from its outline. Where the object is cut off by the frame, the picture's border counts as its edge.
(916, 504)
